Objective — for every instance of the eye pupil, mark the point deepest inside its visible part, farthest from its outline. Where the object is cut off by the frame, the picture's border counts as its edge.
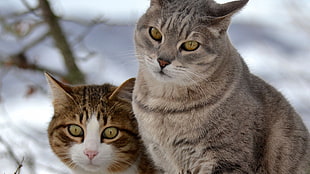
(110, 133)
(75, 130)
(190, 45)
(155, 34)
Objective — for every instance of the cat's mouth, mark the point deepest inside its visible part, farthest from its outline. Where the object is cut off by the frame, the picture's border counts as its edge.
(162, 74)
(159, 74)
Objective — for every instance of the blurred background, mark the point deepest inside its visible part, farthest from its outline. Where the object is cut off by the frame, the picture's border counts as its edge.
(92, 42)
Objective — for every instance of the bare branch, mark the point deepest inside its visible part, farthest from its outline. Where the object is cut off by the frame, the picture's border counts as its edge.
(20, 60)
(74, 74)
(95, 21)
(28, 6)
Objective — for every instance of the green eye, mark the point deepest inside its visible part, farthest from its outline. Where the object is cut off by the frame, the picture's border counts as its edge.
(190, 45)
(155, 34)
(110, 132)
(75, 130)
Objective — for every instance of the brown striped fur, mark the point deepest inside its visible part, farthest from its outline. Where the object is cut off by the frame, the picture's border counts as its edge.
(201, 111)
(111, 106)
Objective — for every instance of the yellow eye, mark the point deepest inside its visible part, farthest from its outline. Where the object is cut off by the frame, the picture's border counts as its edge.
(75, 130)
(110, 132)
(190, 45)
(155, 34)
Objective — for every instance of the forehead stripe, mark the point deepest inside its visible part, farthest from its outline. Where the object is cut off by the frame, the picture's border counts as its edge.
(129, 132)
(98, 116)
(81, 118)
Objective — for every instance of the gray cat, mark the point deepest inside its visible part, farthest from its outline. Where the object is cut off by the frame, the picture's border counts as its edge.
(199, 109)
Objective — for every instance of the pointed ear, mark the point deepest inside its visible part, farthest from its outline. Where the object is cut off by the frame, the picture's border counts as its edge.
(230, 8)
(124, 91)
(60, 92)
(224, 12)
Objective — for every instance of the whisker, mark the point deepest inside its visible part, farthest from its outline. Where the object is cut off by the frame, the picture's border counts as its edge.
(120, 162)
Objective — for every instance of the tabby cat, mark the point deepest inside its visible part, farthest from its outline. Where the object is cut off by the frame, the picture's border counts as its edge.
(93, 130)
(199, 109)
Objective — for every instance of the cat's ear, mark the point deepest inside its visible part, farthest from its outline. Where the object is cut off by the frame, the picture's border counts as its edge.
(60, 92)
(124, 91)
(230, 8)
(224, 12)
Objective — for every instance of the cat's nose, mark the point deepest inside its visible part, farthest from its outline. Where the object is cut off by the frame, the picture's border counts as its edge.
(90, 153)
(163, 63)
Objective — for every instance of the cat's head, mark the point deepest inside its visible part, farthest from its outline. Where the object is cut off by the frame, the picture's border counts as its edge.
(184, 41)
(93, 128)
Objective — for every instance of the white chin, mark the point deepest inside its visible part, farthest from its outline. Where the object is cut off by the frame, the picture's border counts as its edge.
(90, 168)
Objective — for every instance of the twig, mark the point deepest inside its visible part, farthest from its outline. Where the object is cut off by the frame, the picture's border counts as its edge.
(19, 167)
(26, 4)
(34, 42)
(20, 60)
(30, 9)
(95, 21)
(14, 61)
(82, 36)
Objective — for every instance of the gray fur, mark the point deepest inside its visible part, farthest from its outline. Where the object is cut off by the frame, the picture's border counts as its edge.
(205, 113)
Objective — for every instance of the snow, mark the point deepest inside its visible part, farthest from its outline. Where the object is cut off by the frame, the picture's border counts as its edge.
(264, 33)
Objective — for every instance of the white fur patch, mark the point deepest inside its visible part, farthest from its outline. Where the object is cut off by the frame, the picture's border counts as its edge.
(92, 142)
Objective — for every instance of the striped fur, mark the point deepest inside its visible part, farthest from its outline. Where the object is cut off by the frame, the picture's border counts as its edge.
(203, 112)
(94, 108)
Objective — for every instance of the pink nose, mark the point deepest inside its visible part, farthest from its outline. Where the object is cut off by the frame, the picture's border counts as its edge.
(90, 153)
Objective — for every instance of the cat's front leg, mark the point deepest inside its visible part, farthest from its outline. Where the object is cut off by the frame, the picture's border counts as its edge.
(161, 159)
(207, 170)
(203, 169)
(211, 167)
(196, 171)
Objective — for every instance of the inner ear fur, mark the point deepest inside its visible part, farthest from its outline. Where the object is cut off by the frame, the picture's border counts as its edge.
(60, 92)
(124, 91)
(229, 8)
(221, 18)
